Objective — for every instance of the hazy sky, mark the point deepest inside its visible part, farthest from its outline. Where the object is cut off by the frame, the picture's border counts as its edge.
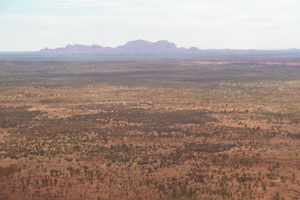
(242, 24)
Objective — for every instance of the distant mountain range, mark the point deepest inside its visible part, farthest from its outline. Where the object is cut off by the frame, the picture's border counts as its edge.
(132, 47)
(142, 47)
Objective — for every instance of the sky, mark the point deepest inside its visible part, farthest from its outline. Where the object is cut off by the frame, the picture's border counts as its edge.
(29, 25)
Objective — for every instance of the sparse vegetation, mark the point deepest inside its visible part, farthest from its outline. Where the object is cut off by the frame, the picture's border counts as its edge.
(151, 128)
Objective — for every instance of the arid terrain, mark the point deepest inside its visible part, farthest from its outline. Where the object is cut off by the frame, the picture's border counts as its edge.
(100, 128)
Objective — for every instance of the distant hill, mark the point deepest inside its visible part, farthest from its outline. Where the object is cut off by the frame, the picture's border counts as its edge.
(162, 47)
(78, 48)
(132, 47)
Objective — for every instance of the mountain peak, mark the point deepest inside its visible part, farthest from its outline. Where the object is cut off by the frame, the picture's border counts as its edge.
(138, 42)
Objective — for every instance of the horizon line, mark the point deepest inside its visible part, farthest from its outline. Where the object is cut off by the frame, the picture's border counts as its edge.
(202, 49)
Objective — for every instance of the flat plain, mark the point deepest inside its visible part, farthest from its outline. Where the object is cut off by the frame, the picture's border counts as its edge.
(104, 128)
